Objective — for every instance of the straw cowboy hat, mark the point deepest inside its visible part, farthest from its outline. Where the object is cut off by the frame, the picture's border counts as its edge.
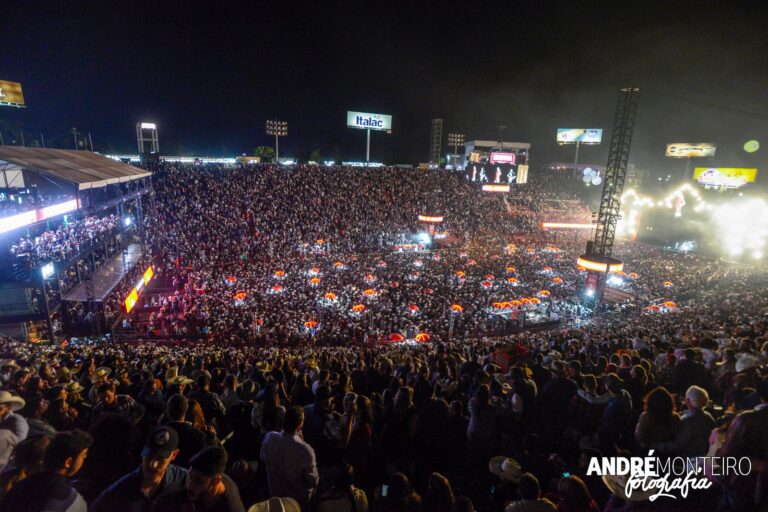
(179, 380)
(74, 387)
(101, 372)
(505, 468)
(9, 363)
(617, 485)
(16, 402)
(276, 505)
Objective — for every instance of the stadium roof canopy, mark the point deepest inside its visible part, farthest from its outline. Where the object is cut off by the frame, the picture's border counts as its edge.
(82, 168)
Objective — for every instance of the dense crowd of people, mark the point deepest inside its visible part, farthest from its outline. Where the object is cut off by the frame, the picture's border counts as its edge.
(62, 243)
(264, 392)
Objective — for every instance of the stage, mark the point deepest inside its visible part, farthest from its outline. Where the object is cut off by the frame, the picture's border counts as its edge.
(107, 276)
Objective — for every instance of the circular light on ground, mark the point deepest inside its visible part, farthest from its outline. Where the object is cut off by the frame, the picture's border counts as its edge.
(751, 146)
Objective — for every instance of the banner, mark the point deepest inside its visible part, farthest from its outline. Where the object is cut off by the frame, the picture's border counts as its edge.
(690, 150)
(728, 177)
(503, 158)
(580, 135)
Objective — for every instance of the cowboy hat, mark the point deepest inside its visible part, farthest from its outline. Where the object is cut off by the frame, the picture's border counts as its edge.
(505, 468)
(247, 390)
(276, 505)
(179, 380)
(16, 402)
(74, 387)
(9, 363)
(171, 373)
(263, 366)
(101, 372)
(617, 485)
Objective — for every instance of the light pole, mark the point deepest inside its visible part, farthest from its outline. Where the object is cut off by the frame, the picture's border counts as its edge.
(278, 129)
(455, 140)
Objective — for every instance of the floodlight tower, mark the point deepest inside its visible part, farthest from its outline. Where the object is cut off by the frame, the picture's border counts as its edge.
(277, 129)
(146, 138)
(597, 259)
(455, 140)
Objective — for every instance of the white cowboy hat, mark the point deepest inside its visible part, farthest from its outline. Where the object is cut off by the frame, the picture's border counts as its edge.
(617, 485)
(505, 468)
(16, 402)
(276, 505)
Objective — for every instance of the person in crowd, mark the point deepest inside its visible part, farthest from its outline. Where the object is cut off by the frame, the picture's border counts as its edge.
(397, 496)
(342, 495)
(139, 490)
(290, 462)
(658, 422)
(530, 497)
(207, 488)
(191, 439)
(439, 494)
(574, 496)
(692, 436)
(9, 419)
(112, 403)
(51, 488)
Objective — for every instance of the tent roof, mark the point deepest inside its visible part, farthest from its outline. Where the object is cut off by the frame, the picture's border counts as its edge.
(83, 168)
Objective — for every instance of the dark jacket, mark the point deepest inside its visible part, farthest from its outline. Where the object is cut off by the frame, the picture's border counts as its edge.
(125, 494)
(46, 491)
(692, 438)
(191, 441)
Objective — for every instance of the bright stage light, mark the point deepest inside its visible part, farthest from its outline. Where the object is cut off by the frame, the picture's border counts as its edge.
(424, 238)
(741, 226)
(757, 255)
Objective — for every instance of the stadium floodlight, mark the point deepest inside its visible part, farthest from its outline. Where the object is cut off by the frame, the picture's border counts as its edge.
(277, 129)
(455, 140)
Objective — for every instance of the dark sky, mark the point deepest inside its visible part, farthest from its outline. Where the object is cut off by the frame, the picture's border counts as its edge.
(210, 73)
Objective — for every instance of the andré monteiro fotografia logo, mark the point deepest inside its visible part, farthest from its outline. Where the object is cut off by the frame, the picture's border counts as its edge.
(650, 478)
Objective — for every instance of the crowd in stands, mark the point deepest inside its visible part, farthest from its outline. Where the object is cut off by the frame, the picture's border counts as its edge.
(64, 242)
(268, 413)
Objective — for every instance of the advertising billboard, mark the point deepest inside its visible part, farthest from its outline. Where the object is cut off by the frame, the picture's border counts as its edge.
(580, 135)
(496, 188)
(367, 121)
(10, 94)
(502, 158)
(690, 150)
(728, 177)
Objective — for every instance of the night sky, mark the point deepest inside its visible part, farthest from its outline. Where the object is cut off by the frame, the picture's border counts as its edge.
(210, 73)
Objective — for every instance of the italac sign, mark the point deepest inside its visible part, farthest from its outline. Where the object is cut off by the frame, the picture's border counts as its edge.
(368, 121)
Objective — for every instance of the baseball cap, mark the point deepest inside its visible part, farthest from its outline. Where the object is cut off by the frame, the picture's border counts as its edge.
(161, 441)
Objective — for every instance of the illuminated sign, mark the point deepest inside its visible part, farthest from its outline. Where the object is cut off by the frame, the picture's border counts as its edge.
(580, 135)
(431, 218)
(503, 158)
(11, 95)
(599, 266)
(495, 188)
(689, 150)
(47, 270)
(57, 209)
(131, 300)
(133, 297)
(148, 275)
(728, 177)
(474, 157)
(565, 225)
(366, 121)
(148, 126)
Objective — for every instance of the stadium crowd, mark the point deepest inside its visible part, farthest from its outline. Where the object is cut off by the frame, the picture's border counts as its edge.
(270, 412)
